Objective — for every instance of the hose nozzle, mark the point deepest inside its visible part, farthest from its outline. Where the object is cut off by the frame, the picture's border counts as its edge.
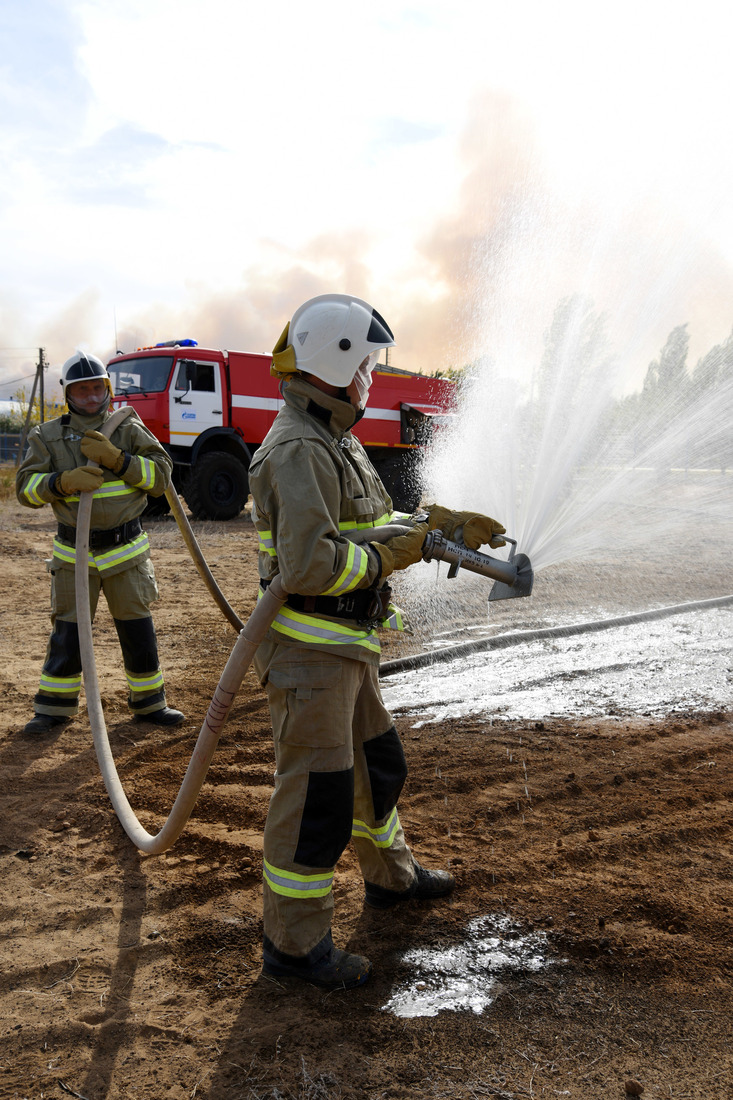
(513, 577)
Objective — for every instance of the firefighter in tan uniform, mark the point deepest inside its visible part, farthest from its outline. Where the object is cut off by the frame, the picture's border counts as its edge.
(340, 762)
(55, 471)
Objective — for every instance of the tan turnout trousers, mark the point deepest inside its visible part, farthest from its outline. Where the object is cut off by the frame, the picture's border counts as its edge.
(340, 770)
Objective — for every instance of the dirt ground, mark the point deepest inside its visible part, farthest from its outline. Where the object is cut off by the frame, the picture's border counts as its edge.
(128, 976)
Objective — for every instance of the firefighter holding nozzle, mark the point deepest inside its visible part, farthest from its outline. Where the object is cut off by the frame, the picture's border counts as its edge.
(340, 762)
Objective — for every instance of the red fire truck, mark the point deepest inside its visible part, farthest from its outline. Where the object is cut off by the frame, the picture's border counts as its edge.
(211, 410)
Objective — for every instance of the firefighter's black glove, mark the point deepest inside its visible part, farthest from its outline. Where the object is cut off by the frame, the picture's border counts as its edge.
(472, 528)
(402, 550)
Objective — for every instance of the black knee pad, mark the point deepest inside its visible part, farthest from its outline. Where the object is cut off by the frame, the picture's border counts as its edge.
(325, 827)
(138, 644)
(387, 768)
(63, 657)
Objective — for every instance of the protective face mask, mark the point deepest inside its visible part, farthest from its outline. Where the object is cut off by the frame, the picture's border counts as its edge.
(363, 377)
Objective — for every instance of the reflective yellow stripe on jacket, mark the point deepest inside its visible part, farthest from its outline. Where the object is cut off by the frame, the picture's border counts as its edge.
(309, 628)
(302, 627)
(267, 543)
(110, 489)
(357, 562)
(127, 551)
(147, 480)
(394, 620)
(30, 490)
(354, 525)
(291, 885)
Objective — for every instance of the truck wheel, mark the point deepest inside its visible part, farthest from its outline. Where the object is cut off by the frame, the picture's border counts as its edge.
(399, 472)
(217, 487)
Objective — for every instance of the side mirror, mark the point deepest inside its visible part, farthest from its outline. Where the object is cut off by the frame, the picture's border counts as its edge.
(188, 367)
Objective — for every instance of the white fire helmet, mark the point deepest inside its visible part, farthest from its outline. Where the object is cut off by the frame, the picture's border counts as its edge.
(81, 367)
(329, 337)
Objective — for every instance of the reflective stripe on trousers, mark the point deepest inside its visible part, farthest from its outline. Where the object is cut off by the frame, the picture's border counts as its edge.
(129, 593)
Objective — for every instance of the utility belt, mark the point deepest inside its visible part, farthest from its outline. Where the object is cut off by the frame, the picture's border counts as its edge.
(100, 539)
(367, 605)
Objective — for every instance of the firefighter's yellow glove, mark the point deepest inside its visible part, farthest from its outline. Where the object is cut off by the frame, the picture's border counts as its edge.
(481, 530)
(84, 479)
(477, 530)
(401, 551)
(97, 448)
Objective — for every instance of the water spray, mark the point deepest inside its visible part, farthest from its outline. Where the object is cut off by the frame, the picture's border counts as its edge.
(511, 578)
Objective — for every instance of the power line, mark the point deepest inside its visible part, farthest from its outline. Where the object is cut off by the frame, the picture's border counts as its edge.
(14, 381)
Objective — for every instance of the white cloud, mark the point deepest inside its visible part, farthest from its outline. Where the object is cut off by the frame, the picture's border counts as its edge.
(170, 160)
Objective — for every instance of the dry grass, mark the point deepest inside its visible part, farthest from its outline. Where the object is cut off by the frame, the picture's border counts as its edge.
(7, 480)
(165, 535)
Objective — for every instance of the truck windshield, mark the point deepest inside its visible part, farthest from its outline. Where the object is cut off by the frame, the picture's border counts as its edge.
(148, 374)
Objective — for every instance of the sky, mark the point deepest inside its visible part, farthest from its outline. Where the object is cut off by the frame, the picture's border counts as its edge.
(178, 169)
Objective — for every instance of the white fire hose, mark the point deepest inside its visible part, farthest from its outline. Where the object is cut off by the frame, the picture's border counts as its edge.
(249, 638)
(247, 642)
(198, 559)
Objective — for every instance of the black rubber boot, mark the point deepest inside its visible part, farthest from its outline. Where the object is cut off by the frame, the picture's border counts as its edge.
(43, 723)
(325, 966)
(166, 716)
(427, 884)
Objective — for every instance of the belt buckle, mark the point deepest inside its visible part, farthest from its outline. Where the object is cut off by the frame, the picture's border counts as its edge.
(374, 615)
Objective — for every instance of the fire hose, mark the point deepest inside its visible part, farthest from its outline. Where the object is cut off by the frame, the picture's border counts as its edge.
(240, 658)
(513, 577)
(199, 560)
(249, 637)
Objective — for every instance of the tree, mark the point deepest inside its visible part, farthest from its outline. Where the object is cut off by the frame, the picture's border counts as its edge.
(571, 389)
(666, 385)
(11, 422)
(714, 369)
(576, 345)
(52, 407)
(453, 374)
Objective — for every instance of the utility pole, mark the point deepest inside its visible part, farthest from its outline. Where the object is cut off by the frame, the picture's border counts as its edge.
(39, 377)
(42, 396)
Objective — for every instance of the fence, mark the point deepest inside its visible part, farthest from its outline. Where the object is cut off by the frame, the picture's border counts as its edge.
(9, 444)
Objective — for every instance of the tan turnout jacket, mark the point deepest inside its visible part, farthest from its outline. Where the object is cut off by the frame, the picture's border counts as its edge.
(56, 446)
(311, 480)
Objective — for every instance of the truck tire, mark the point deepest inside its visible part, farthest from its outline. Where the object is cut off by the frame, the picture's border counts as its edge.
(399, 472)
(217, 487)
